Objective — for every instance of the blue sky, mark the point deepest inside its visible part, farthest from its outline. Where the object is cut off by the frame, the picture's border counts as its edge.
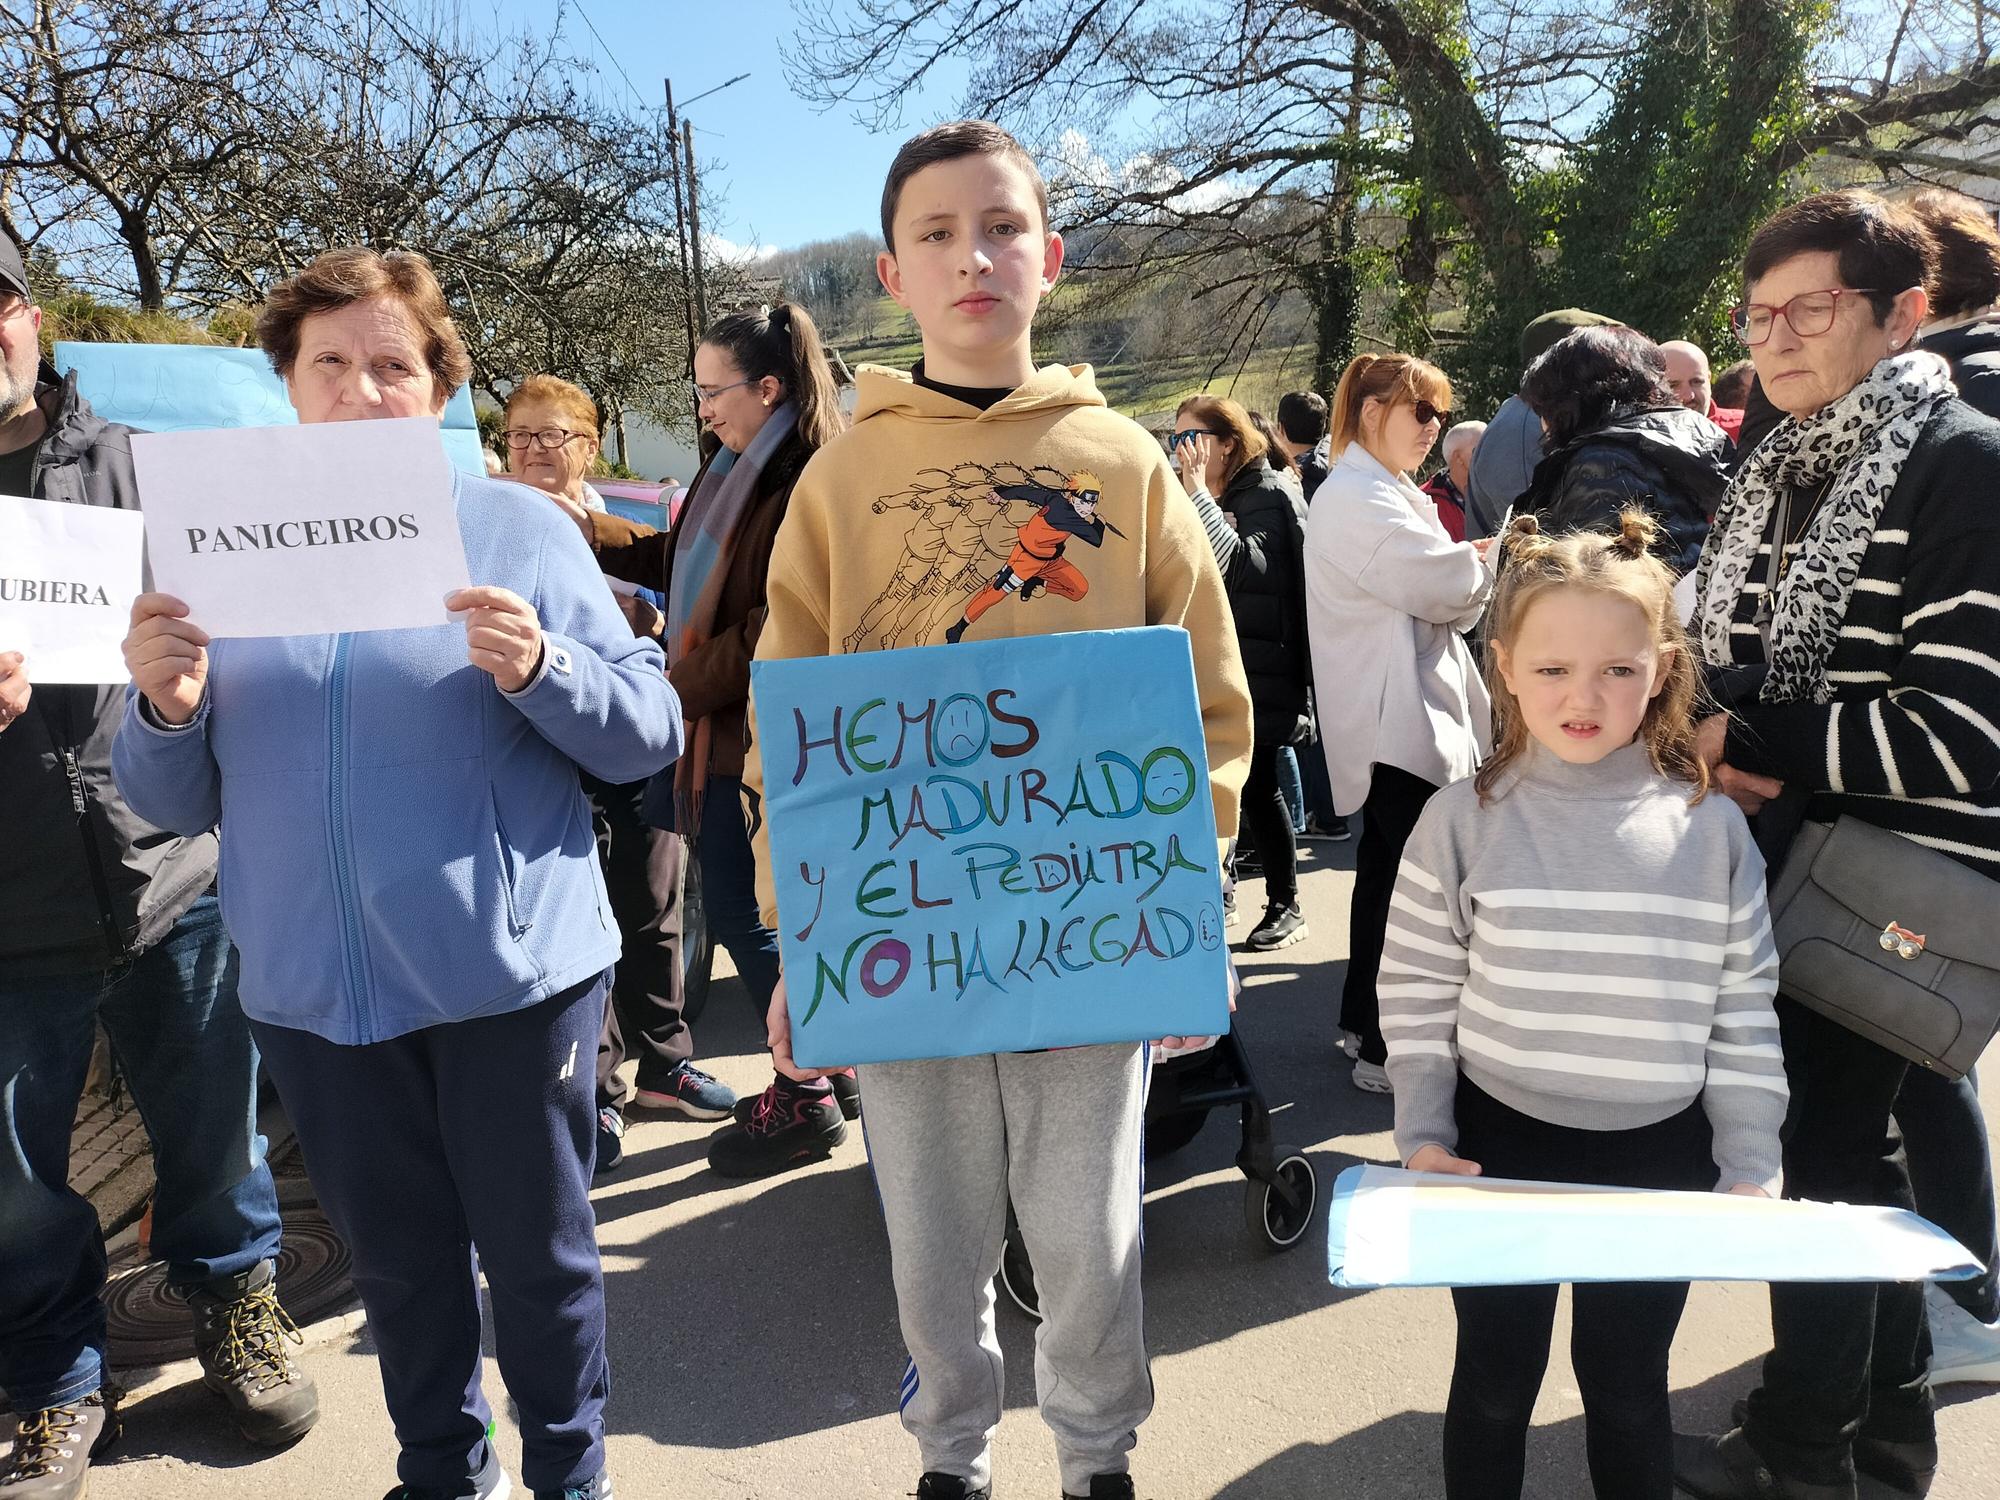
(789, 174)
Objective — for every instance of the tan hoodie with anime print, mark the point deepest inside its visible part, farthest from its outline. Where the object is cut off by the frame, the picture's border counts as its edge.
(930, 521)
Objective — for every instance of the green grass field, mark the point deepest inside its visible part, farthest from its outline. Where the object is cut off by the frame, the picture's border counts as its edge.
(1147, 391)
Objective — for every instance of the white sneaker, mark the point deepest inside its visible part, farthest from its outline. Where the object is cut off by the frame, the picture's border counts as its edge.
(1962, 1347)
(1350, 1044)
(1371, 1078)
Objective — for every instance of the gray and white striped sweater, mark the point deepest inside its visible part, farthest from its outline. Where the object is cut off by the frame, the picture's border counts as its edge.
(1591, 949)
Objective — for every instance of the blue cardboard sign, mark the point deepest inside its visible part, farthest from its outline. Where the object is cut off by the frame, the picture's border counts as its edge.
(994, 846)
(186, 387)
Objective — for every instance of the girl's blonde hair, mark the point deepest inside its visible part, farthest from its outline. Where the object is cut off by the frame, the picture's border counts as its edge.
(1624, 566)
(1391, 378)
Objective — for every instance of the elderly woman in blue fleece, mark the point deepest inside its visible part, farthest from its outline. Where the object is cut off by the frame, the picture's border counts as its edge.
(409, 872)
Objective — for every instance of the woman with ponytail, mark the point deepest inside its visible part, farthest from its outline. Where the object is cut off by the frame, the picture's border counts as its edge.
(766, 392)
(1577, 987)
(1388, 594)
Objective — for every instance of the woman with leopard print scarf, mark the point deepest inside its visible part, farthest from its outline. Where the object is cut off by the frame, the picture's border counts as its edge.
(1847, 601)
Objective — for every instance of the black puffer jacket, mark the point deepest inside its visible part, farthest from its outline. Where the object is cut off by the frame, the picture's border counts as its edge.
(1266, 580)
(1973, 352)
(84, 883)
(1667, 460)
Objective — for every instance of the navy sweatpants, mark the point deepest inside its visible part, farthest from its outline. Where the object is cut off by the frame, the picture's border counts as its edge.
(477, 1133)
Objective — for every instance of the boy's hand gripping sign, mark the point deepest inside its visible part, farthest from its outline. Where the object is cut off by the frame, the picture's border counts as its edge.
(993, 847)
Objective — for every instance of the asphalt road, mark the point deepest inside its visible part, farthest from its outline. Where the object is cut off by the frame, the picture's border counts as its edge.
(755, 1354)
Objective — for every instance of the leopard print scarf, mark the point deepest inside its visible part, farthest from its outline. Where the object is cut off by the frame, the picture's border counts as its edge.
(1859, 443)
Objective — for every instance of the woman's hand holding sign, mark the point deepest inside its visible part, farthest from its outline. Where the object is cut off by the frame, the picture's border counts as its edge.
(167, 655)
(503, 635)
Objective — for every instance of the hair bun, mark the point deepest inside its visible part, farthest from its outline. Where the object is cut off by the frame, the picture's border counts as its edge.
(1637, 531)
(781, 316)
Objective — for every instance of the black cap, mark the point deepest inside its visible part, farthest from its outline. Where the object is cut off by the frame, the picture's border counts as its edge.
(13, 270)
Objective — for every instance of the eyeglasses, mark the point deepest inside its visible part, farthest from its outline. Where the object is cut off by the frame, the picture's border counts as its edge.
(548, 438)
(706, 393)
(1427, 414)
(1189, 434)
(1810, 314)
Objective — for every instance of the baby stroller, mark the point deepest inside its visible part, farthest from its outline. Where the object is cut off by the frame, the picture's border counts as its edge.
(1281, 1192)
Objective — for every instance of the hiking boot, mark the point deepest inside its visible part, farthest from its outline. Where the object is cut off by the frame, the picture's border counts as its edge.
(610, 1141)
(596, 1489)
(846, 1093)
(690, 1091)
(240, 1337)
(936, 1486)
(1283, 925)
(490, 1483)
(53, 1447)
(1728, 1468)
(791, 1125)
(1106, 1487)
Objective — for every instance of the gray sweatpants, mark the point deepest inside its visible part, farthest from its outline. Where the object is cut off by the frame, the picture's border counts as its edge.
(950, 1139)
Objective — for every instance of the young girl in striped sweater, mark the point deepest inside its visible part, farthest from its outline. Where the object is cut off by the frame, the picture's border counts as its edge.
(1577, 987)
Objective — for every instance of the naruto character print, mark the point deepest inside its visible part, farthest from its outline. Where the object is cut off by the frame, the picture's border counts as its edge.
(982, 532)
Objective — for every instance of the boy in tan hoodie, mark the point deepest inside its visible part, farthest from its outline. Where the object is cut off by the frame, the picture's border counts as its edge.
(981, 497)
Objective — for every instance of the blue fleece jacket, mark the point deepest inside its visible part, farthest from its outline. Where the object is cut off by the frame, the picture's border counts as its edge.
(402, 843)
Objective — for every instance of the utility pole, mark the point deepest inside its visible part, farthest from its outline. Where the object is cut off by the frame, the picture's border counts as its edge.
(681, 223)
(694, 226)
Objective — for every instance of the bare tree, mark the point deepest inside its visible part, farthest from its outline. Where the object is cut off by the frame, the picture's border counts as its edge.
(1204, 129)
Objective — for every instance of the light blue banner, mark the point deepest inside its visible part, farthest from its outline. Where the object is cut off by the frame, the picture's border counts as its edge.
(184, 387)
(1388, 1227)
(995, 846)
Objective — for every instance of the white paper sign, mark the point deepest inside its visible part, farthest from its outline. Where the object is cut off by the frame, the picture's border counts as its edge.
(68, 575)
(1388, 1227)
(302, 530)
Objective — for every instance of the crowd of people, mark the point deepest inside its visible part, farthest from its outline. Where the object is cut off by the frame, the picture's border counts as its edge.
(1584, 682)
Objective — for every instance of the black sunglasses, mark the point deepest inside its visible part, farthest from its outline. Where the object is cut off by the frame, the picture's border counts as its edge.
(1427, 414)
(1189, 434)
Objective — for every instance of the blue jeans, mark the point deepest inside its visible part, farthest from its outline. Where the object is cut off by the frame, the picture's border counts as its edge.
(476, 1132)
(1291, 788)
(729, 889)
(185, 1050)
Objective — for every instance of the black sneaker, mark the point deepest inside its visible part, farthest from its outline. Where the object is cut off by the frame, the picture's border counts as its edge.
(610, 1141)
(241, 1337)
(1283, 925)
(53, 1447)
(1728, 1468)
(846, 1093)
(490, 1483)
(936, 1486)
(598, 1489)
(1106, 1487)
(1330, 828)
(790, 1125)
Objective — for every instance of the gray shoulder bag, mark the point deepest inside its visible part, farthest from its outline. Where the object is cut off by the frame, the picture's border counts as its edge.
(1886, 937)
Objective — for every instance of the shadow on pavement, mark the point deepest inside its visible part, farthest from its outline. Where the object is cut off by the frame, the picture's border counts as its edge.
(1397, 1458)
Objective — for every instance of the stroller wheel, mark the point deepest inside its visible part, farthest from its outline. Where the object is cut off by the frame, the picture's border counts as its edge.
(1017, 1276)
(1266, 1208)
